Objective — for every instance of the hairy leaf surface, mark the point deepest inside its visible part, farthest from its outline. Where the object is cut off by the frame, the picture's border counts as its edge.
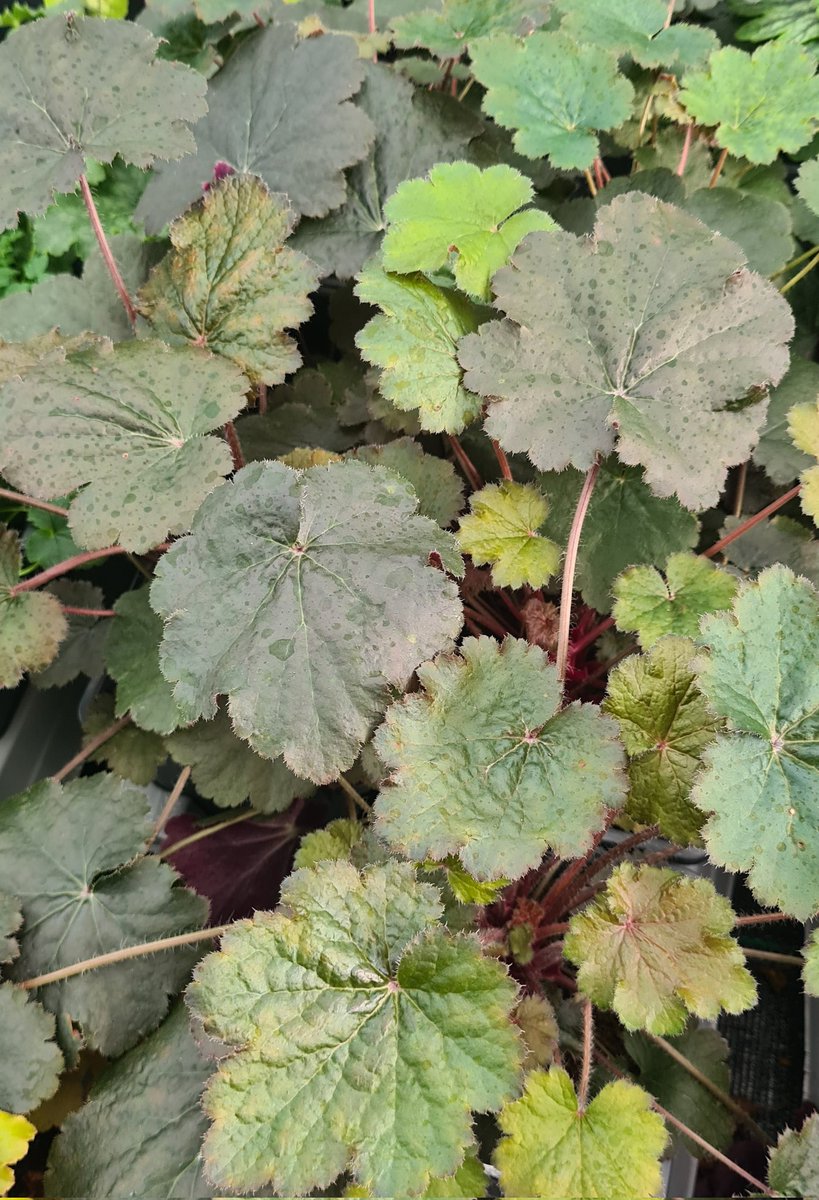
(654, 605)
(502, 528)
(794, 1165)
(32, 624)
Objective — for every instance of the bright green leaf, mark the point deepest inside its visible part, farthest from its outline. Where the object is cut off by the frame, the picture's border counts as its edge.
(554, 92)
(502, 528)
(665, 726)
(760, 778)
(775, 452)
(656, 946)
(810, 971)
(30, 1060)
(551, 1148)
(52, 120)
(335, 1008)
(32, 624)
(129, 421)
(230, 283)
(132, 753)
(449, 32)
(15, 1134)
(81, 652)
(650, 605)
(343, 839)
(465, 887)
(414, 341)
(761, 103)
(794, 1165)
(637, 28)
(463, 215)
(254, 127)
(438, 488)
(70, 854)
(610, 343)
(803, 426)
(332, 560)
(485, 764)
(132, 659)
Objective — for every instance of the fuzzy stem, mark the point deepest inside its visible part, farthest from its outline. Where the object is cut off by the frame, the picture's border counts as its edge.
(754, 520)
(588, 1046)
(465, 462)
(30, 502)
(763, 918)
(371, 16)
(353, 795)
(169, 851)
(595, 866)
(63, 568)
(74, 610)
(590, 183)
(232, 439)
(554, 900)
(115, 956)
(714, 180)
(790, 960)
(503, 461)
(105, 250)
(89, 748)
(683, 163)
(170, 804)
(669, 16)
(556, 929)
(262, 405)
(569, 565)
(786, 287)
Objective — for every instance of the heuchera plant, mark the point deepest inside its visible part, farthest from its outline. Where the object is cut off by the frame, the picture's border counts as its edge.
(444, 373)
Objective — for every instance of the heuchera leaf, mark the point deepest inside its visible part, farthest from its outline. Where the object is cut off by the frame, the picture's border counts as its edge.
(52, 121)
(447, 33)
(656, 946)
(141, 1129)
(761, 103)
(30, 1060)
(803, 426)
(760, 777)
(502, 528)
(300, 414)
(129, 421)
(438, 488)
(650, 605)
(637, 28)
(553, 92)
(810, 971)
(67, 852)
(463, 215)
(485, 764)
(794, 1166)
(414, 130)
(32, 624)
(775, 451)
(333, 1007)
(132, 659)
(780, 540)
(15, 1134)
(132, 753)
(227, 771)
(665, 725)
(553, 1149)
(253, 126)
(760, 225)
(345, 839)
(612, 342)
(10, 921)
(807, 184)
(625, 524)
(538, 1024)
(414, 341)
(230, 283)
(332, 560)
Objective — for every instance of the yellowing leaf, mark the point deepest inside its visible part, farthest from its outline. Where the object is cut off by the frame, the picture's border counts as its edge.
(502, 528)
(651, 607)
(656, 946)
(32, 624)
(803, 425)
(15, 1135)
(552, 1148)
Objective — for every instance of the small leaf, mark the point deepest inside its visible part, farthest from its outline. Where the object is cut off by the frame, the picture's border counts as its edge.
(665, 725)
(32, 624)
(759, 778)
(502, 528)
(447, 33)
(325, 1027)
(461, 214)
(68, 852)
(775, 452)
(131, 422)
(15, 1135)
(554, 92)
(52, 122)
(230, 283)
(141, 1128)
(226, 770)
(132, 753)
(803, 426)
(651, 606)
(301, 413)
(656, 946)
(567, 378)
(637, 28)
(794, 1165)
(414, 341)
(761, 103)
(30, 1060)
(552, 1148)
(132, 659)
(537, 1021)
(486, 765)
(82, 650)
(47, 540)
(438, 488)
(465, 887)
(331, 559)
(252, 125)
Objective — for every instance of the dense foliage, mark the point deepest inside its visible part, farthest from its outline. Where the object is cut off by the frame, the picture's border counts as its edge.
(439, 376)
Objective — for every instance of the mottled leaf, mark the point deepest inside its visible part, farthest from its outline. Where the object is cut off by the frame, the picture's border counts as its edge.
(775, 451)
(551, 1148)
(759, 782)
(32, 624)
(81, 651)
(253, 126)
(484, 764)
(448, 32)
(503, 527)
(30, 1060)
(333, 559)
(656, 946)
(653, 605)
(793, 1169)
(132, 659)
(648, 337)
(803, 426)
(52, 121)
(554, 92)
(438, 488)
(132, 753)
(333, 1007)
(69, 853)
(129, 421)
(639, 29)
